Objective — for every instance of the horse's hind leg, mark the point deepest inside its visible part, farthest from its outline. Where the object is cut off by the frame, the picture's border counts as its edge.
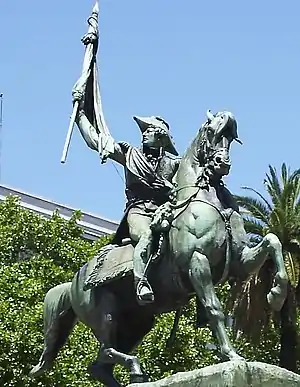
(102, 368)
(131, 330)
(200, 275)
(253, 258)
(105, 327)
(103, 324)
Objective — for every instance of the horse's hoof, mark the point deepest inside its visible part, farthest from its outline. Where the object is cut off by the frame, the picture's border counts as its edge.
(138, 378)
(101, 374)
(40, 368)
(232, 356)
(237, 357)
(277, 295)
(275, 301)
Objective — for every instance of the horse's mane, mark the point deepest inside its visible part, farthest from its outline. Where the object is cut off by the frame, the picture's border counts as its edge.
(197, 149)
(193, 159)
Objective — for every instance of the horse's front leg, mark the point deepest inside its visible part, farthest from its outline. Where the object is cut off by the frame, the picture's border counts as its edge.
(201, 279)
(253, 258)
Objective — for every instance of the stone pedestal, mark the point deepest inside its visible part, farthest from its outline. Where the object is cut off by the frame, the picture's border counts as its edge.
(230, 374)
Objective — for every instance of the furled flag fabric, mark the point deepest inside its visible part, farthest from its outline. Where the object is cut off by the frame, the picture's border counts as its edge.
(87, 87)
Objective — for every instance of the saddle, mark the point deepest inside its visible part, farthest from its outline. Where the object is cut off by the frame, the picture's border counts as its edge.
(116, 260)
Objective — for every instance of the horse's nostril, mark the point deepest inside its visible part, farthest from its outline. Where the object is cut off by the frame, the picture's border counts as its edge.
(218, 160)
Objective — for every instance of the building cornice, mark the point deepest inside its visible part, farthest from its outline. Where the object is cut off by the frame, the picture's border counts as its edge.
(93, 225)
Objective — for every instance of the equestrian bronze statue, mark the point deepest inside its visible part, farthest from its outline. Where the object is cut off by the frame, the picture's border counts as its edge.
(182, 234)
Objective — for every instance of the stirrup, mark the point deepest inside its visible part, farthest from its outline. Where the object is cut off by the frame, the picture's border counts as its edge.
(148, 296)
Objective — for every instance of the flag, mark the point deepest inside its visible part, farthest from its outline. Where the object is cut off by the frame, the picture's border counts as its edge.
(87, 86)
(87, 89)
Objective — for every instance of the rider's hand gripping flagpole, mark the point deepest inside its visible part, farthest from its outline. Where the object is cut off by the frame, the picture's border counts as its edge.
(91, 42)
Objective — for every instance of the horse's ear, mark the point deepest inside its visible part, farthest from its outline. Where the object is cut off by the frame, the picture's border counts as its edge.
(209, 115)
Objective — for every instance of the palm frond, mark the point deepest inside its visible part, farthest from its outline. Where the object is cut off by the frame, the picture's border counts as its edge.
(290, 194)
(273, 185)
(250, 307)
(292, 265)
(253, 227)
(297, 206)
(296, 181)
(293, 247)
(284, 193)
(296, 173)
(259, 195)
(284, 225)
(256, 208)
(280, 214)
(284, 173)
(276, 219)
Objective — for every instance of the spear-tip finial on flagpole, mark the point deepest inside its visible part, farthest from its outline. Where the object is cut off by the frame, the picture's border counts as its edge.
(93, 29)
(96, 8)
(93, 20)
(94, 14)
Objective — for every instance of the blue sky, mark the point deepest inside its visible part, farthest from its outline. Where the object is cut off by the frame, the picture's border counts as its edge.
(160, 57)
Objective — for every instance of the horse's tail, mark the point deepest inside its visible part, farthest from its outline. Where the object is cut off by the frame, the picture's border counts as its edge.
(59, 320)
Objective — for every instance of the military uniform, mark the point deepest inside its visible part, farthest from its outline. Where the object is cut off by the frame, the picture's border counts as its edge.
(148, 174)
(142, 198)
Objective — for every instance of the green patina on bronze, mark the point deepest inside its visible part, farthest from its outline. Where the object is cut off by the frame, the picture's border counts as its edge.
(178, 208)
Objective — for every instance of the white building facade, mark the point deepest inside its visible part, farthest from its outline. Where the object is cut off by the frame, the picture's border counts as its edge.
(93, 225)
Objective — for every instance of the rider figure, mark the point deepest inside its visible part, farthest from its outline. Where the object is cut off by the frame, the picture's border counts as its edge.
(148, 173)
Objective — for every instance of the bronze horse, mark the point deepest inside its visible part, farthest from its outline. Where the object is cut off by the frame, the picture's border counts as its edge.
(207, 244)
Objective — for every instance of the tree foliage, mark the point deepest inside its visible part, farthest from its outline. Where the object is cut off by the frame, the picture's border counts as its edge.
(37, 254)
(279, 214)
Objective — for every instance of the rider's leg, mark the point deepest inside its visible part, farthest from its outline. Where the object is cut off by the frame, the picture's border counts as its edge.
(139, 229)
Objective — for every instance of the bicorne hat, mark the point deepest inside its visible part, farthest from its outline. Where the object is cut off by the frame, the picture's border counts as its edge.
(158, 122)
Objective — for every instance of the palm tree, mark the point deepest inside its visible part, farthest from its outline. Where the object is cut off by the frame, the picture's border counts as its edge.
(279, 214)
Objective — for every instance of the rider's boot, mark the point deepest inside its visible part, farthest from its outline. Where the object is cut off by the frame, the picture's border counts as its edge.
(144, 292)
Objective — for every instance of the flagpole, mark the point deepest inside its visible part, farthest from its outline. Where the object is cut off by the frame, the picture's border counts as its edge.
(70, 131)
(93, 29)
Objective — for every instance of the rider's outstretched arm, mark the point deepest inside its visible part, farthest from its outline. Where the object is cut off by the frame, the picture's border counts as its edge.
(95, 139)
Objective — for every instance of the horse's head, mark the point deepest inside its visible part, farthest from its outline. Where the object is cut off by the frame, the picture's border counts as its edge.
(214, 141)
